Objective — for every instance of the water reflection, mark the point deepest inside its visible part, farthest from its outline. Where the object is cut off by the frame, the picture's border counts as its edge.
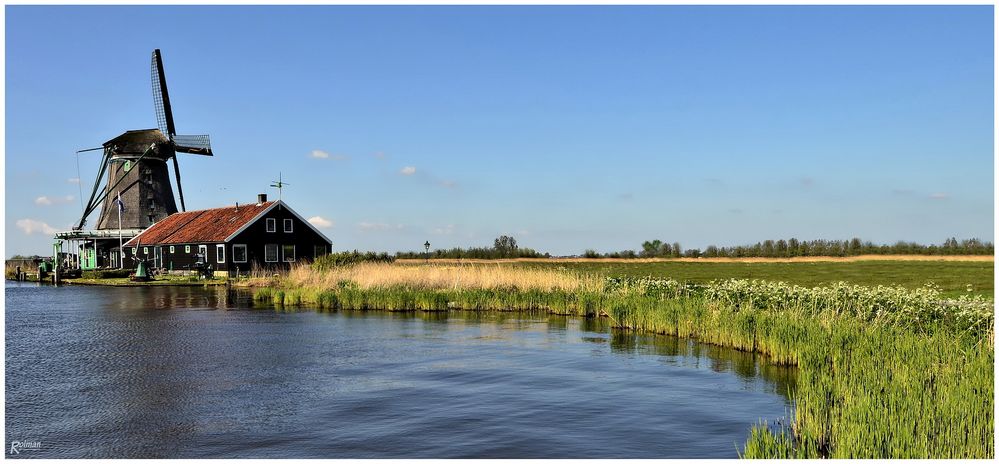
(202, 372)
(688, 352)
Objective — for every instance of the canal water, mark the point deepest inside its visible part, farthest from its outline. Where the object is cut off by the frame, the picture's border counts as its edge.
(95, 372)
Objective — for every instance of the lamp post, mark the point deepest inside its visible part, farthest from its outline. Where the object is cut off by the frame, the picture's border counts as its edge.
(426, 247)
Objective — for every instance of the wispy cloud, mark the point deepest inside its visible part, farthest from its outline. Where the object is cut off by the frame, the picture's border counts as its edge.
(378, 226)
(428, 178)
(626, 197)
(47, 201)
(73, 180)
(379, 155)
(939, 196)
(900, 191)
(446, 230)
(806, 182)
(321, 222)
(735, 210)
(321, 154)
(32, 226)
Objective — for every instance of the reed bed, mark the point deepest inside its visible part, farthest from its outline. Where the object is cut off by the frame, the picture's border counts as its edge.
(369, 276)
(884, 372)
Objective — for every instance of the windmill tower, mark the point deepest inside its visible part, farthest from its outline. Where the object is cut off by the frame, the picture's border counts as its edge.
(135, 164)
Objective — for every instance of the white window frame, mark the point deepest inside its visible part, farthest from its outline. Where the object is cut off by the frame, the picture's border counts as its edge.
(145, 251)
(284, 257)
(171, 249)
(234, 255)
(203, 251)
(289, 226)
(271, 225)
(220, 248)
(187, 248)
(277, 253)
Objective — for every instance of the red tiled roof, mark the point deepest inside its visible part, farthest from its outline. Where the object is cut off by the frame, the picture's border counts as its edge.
(201, 226)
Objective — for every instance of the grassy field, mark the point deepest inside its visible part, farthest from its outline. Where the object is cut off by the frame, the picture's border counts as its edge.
(953, 277)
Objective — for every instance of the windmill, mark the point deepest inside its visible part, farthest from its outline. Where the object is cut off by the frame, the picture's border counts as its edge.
(135, 164)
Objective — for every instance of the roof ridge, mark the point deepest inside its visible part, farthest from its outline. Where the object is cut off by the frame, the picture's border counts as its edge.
(249, 205)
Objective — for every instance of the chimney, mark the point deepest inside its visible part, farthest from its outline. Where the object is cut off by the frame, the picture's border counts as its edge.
(237, 206)
(261, 198)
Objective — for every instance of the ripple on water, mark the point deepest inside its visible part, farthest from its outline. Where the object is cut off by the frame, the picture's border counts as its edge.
(166, 372)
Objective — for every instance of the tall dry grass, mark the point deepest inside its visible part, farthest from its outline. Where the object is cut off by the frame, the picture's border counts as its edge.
(442, 277)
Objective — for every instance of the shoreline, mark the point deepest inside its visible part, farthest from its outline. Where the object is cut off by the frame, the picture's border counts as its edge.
(837, 338)
(124, 282)
(796, 259)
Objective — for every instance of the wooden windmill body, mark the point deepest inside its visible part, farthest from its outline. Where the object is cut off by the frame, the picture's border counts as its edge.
(133, 188)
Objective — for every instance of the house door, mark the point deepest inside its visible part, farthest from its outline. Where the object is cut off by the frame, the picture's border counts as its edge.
(203, 253)
(158, 257)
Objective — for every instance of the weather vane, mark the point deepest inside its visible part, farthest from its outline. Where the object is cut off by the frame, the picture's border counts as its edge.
(278, 184)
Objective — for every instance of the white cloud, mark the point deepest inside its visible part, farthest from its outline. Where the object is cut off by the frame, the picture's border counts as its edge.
(322, 154)
(73, 180)
(408, 170)
(321, 222)
(31, 226)
(46, 201)
(939, 196)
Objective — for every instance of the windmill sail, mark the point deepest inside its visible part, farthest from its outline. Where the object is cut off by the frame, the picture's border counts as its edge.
(161, 97)
(194, 144)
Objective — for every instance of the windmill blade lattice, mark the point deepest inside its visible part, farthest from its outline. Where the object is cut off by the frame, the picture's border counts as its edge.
(194, 144)
(161, 97)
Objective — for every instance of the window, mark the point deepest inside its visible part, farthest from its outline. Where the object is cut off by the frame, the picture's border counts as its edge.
(271, 225)
(219, 253)
(239, 253)
(145, 250)
(289, 253)
(318, 251)
(187, 248)
(202, 253)
(171, 249)
(135, 251)
(288, 225)
(271, 253)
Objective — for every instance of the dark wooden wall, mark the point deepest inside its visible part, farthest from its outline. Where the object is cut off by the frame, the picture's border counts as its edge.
(256, 237)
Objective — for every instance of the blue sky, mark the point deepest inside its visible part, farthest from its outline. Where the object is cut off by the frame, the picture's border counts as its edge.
(567, 127)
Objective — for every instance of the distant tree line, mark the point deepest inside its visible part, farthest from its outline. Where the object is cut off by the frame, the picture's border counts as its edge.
(793, 247)
(503, 247)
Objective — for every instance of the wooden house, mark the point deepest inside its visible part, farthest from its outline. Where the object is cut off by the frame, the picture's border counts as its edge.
(234, 239)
